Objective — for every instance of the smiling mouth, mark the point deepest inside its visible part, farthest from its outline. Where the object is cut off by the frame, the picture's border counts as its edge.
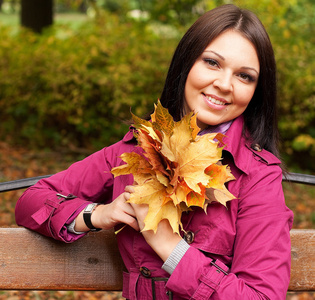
(215, 101)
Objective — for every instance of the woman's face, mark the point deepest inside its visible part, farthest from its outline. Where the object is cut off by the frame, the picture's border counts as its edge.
(223, 80)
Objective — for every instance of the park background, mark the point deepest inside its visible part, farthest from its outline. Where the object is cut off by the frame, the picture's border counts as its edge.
(66, 90)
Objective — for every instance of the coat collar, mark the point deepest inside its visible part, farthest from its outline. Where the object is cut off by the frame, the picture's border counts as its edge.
(242, 150)
(129, 136)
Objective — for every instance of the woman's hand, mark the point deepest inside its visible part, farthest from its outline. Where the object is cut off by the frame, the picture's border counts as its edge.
(140, 210)
(106, 216)
(116, 212)
(164, 240)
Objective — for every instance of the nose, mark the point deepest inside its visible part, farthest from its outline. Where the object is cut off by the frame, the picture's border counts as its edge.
(224, 82)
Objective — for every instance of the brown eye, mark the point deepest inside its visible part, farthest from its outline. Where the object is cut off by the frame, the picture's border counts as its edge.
(211, 62)
(246, 77)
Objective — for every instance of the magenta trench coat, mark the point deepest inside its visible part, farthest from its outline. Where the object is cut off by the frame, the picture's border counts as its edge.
(249, 240)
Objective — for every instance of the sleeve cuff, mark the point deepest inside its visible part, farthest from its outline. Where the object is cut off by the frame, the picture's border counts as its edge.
(71, 229)
(175, 257)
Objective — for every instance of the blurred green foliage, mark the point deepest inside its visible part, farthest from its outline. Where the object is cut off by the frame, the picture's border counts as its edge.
(291, 25)
(294, 40)
(66, 87)
(73, 87)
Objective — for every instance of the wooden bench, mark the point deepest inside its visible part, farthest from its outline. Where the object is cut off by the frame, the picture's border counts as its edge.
(30, 261)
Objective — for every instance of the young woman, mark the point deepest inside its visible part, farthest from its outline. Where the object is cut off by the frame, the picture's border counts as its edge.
(224, 70)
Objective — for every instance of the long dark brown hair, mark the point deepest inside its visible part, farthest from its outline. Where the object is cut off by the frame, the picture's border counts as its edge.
(261, 114)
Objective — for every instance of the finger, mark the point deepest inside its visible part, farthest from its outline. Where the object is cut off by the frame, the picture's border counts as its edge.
(131, 221)
(126, 196)
(128, 209)
(129, 189)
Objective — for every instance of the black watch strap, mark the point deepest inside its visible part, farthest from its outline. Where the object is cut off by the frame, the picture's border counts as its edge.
(87, 213)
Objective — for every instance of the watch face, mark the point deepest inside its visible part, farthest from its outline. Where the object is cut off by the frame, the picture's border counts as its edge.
(89, 208)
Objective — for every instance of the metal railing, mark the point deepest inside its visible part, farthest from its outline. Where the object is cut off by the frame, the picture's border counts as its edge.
(27, 182)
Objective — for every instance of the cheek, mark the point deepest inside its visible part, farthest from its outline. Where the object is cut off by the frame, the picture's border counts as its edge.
(195, 79)
(244, 96)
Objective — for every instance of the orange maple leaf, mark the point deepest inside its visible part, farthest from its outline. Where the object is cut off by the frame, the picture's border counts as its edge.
(178, 168)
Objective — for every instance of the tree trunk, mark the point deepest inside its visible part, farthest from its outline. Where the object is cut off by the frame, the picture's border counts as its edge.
(36, 14)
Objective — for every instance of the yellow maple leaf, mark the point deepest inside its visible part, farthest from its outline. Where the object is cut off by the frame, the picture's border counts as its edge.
(194, 126)
(167, 211)
(162, 120)
(161, 207)
(217, 195)
(197, 157)
(178, 168)
(173, 145)
(219, 175)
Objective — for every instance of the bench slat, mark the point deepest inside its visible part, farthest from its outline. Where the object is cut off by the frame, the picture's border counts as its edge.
(302, 260)
(29, 261)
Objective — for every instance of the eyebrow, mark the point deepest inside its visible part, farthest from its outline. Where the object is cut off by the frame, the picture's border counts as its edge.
(249, 68)
(219, 55)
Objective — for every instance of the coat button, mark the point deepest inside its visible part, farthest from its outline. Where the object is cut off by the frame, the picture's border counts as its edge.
(189, 237)
(169, 294)
(257, 147)
(145, 272)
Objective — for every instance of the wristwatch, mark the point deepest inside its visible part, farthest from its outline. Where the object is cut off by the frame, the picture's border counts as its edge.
(87, 213)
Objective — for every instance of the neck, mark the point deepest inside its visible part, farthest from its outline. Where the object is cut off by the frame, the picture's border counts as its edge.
(220, 128)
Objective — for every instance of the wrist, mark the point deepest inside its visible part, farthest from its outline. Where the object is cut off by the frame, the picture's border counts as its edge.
(88, 216)
(164, 241)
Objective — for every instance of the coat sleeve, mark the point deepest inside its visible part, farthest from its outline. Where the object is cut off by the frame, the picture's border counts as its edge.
(41, 209)
(260, 267)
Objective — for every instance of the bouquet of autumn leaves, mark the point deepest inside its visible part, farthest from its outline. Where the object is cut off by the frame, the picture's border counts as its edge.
(177, 169)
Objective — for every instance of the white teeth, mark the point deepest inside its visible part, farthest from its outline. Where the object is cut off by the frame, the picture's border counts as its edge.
(215, 101)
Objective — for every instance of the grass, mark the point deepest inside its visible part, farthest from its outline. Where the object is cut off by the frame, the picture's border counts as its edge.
(74, 20)
(9, 19)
